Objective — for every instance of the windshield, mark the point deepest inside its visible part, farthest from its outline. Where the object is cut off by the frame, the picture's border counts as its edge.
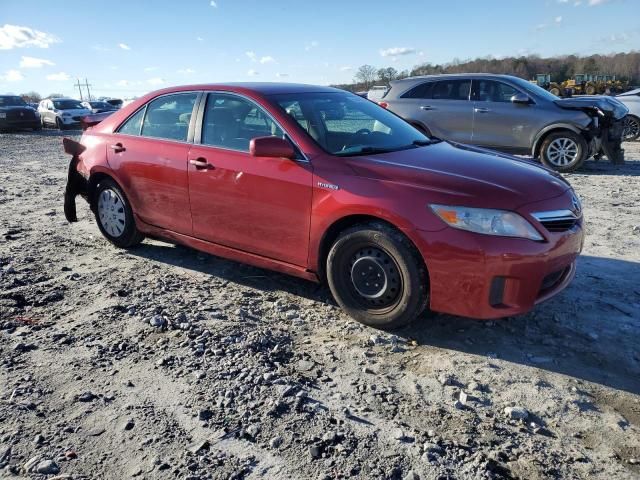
(345, 124)
(67, 105)
(535, 89)
(12, 101)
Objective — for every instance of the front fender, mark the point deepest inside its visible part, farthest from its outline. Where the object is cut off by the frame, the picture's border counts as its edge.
(547, 129)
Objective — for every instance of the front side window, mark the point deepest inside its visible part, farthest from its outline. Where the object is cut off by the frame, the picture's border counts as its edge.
(345, 124)
(492, 91)
(232, 122)
(451, 90)
(133, 124)
(168, 116)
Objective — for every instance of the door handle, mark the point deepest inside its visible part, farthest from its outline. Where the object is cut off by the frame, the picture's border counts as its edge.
(201, 163)
(427, 107)
(117, 148)
(482, 110)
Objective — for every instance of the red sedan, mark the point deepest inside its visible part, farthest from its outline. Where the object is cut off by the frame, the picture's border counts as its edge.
(325, 185)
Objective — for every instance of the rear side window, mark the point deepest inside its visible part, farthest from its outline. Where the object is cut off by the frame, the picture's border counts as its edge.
(451, 90)
(168, 117)
(133, 125)
(424, 90)
(231, 122)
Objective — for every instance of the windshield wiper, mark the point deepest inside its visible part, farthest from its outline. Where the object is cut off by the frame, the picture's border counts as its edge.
(366, 151)
(423, 143)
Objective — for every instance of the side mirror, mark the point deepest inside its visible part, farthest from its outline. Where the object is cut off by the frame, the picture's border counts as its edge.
(274, 147)
(521, 98)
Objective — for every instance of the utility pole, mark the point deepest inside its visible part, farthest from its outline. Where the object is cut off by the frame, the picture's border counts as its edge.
(79, 88)
(87, 84)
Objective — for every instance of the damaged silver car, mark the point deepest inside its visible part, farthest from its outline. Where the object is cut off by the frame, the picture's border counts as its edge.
(509, 114)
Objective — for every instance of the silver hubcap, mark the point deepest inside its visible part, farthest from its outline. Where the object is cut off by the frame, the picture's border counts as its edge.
(631, 128)
(111, 212)
(562, 152)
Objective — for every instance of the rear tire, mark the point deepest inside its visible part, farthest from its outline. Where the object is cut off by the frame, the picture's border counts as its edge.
(114, 215)
(377, 276)
(564, 151)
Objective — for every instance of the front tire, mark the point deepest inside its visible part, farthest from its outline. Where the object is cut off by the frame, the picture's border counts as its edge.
(59, 124)
(564, 151)
(114, 215)
(377, 276)
(631, 128)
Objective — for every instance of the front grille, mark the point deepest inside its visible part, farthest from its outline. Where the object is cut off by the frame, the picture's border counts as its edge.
(558, 220)
(21, 115)
(77, 119)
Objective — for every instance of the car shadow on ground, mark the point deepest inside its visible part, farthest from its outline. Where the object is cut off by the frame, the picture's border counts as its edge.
(591, 331)
(604, 167)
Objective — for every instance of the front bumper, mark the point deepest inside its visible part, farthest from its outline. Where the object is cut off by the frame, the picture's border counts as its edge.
(17, 124)
(485, 277)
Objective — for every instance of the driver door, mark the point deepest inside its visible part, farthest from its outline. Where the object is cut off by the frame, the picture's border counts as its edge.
(257, 205)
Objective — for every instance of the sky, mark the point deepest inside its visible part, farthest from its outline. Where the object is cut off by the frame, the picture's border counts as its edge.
(127, 48)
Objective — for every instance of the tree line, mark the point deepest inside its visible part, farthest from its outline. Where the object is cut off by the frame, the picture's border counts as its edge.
(625, 66)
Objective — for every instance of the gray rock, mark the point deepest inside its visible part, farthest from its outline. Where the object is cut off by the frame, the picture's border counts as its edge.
(157, 321)
(516, 413)
(275, 442)
(47, 467)
(411, 475)
(38, 439)
(398, 434)
(315, 451)
(464, 398)
(31, 463)
(87, 397)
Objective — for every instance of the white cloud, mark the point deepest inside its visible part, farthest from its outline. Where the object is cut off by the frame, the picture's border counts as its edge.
(397, 51)
(58, 77)
(155, 81)
(12, 76)
(186, 71)
(213, 4)
(311, 45)
(252, 55)
(200, 39)
(15, 36)
(267, 59)
(252, 73)
(345, 69)
(32, 62)
(593, 3)
(558, 19)
(124, 46)
(282, 75)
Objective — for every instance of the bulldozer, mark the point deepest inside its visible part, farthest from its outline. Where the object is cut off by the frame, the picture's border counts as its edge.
(594, 84)
(544, 80)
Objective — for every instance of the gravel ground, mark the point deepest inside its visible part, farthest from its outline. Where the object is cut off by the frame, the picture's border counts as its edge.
(162, 362)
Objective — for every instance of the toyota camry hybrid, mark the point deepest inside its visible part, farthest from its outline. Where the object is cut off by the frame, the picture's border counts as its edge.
(325, 185)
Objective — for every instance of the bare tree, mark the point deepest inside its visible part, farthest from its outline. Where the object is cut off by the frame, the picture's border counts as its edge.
(366, 75)
(32, 97)
(386, 75)
(55, 95)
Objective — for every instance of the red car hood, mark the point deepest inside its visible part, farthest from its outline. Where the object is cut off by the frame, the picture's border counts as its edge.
(473, 176)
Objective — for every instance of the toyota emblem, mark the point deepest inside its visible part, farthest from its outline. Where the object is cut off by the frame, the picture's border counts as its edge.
(576, 204)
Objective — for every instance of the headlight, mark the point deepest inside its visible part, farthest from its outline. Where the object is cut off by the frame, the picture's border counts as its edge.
(486, 221)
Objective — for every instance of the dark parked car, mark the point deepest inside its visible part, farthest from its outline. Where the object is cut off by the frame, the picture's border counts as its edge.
(16, 114)
(97, 106)
(510, 114)
(325, 185)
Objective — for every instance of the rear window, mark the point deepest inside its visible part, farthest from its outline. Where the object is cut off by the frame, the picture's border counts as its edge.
(168, 117)
(423, 90)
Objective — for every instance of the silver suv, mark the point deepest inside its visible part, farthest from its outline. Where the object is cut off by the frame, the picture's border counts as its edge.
(510, 114)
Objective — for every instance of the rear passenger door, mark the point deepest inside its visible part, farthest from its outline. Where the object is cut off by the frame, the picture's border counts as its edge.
(443, 107)
(149, 154)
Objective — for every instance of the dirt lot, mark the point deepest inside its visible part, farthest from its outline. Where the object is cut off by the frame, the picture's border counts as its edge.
(162, 362)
